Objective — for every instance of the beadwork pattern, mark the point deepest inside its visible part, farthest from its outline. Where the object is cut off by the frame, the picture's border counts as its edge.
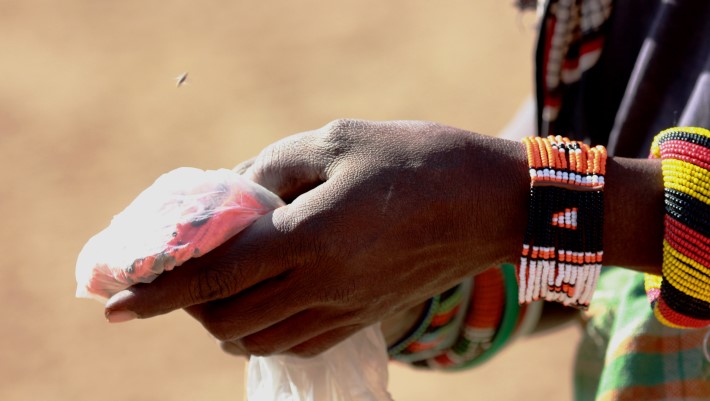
(681, 296)
(437, 329)
(482, 320)
(562, 253)
(489, 319)
(573, 36)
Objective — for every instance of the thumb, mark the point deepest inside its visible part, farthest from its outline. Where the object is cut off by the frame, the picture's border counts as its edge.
(289, 168)
(243, 166)
(293, 165)
(241, 262)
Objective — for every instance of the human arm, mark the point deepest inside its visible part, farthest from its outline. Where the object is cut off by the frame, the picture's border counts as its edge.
(383, 216)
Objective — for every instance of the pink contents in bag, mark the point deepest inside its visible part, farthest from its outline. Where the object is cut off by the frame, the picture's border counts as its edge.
(184, 214)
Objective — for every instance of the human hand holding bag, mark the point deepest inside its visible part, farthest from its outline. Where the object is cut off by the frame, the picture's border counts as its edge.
(187, 213)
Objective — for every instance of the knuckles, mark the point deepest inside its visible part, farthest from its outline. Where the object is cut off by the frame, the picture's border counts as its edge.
(219, 329)
(339, 136)
(253, 346)
(309, 351)
(211, 283)
(342, 126)
(233, 348)
(248, 347)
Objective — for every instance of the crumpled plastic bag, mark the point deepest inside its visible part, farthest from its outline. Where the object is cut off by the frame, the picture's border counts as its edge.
(184, 214)
(354, 370)
(189, 212)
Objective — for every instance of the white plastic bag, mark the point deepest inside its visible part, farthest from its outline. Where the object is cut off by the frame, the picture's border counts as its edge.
(354, 370)
(184, 214)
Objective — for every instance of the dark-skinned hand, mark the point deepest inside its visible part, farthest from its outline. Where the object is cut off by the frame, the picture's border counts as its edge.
(382, 216)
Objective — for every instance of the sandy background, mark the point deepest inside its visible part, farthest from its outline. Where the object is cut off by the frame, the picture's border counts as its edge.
(90, 115)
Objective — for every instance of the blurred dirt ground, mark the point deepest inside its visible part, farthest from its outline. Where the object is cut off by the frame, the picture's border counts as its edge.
(90, 115)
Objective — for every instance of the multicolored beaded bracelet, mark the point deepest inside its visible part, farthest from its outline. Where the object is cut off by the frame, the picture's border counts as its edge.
(507, 318)
(680, 297)
(437, 327)
(562, 252)
(491, 316)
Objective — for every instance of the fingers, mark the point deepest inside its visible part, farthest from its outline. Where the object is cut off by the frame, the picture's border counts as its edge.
(292, 332)
(324, 342)
(309, 348)
(263, 321)
(290, 168)
(243, 261)
(243, 166)
(250, 311)
(277, 243)
(233, 348)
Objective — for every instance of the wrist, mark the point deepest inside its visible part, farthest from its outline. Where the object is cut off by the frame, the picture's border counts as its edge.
(514, 177)
(633, 214)
(490, 202)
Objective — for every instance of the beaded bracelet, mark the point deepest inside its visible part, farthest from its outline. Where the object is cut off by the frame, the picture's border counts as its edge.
(680, 297)
(562, 252)
(437, 327)
(472, 351)
(491, 316)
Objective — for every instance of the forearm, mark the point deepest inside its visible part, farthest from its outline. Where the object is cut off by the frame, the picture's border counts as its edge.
(633, 219)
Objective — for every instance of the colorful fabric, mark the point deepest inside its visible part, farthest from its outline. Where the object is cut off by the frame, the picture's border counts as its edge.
(626, 354)
(651, 73)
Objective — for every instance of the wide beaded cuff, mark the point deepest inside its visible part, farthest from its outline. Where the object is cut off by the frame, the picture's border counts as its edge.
(681, 297)
(562, 253)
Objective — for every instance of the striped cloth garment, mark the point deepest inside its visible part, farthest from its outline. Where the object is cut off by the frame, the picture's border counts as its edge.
(626, 354)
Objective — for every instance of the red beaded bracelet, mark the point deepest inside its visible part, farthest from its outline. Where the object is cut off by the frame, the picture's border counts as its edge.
(681, 296)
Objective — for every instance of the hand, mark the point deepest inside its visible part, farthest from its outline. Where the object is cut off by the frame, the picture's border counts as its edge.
(383, 215)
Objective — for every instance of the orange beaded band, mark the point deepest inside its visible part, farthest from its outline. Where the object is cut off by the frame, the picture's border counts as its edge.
(562, 253)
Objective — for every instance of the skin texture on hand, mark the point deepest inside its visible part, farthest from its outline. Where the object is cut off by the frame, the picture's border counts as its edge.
(381, 216)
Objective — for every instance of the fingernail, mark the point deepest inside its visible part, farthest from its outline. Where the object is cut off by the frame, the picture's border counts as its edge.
(120, 316)
(119, 298)
(233, 347)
